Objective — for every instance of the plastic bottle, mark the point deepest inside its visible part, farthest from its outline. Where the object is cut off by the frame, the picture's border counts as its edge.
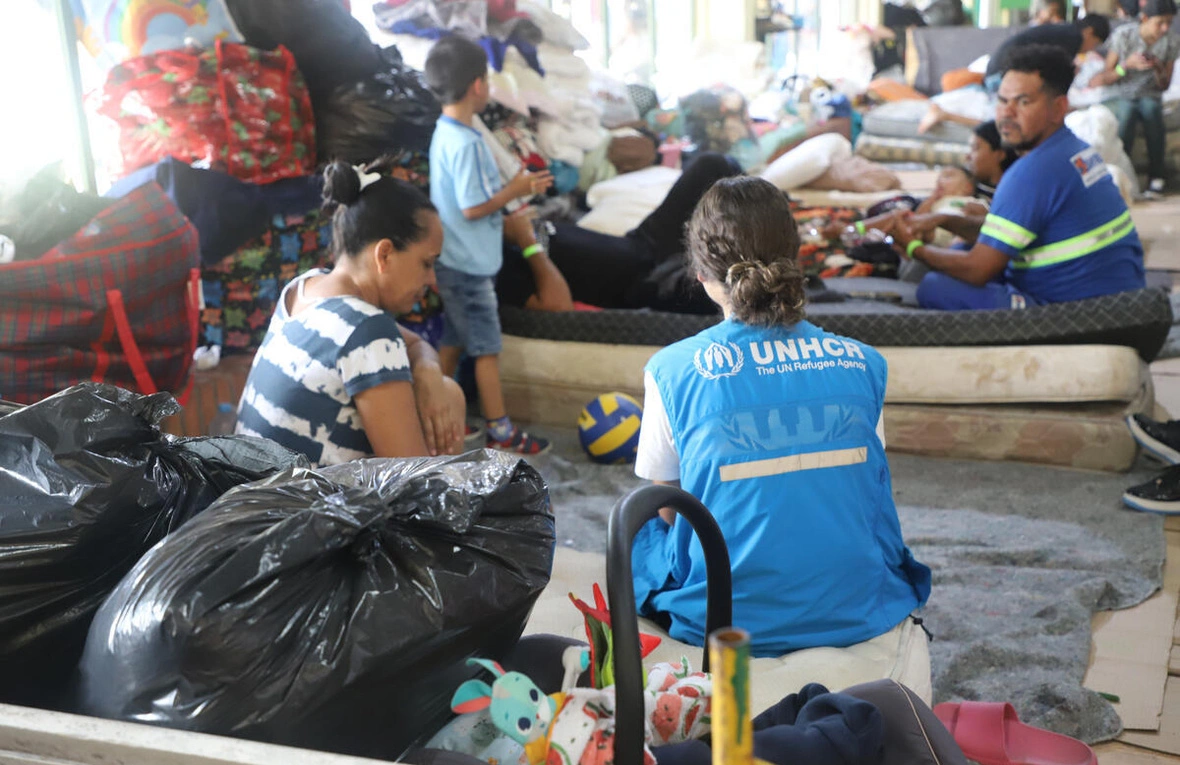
(225, 420)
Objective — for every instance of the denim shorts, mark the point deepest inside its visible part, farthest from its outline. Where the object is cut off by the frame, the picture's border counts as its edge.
(470, 311)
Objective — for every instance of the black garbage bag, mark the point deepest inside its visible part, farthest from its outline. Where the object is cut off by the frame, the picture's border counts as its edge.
(386, 112)
(332, 609)
(87, 485)
(331, 48)
(45, 213)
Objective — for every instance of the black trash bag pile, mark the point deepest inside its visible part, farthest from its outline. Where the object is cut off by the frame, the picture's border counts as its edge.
(88, 484)
(331, 48)
(367, 102)
(45, 213)
(382, 113)
(332, 609)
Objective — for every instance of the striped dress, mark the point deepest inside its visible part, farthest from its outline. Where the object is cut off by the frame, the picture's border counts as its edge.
(309, 369)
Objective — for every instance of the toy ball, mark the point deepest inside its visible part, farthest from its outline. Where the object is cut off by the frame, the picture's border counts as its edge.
(608, 428)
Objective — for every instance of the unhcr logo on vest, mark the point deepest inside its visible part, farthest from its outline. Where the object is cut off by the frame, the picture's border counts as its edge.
(719, 361)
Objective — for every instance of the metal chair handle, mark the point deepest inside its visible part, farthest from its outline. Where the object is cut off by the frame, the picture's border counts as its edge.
(628, 516)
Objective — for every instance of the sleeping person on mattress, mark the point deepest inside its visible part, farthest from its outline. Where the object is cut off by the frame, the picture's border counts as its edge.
(1058, 229)
(630, 271)
(775, 425)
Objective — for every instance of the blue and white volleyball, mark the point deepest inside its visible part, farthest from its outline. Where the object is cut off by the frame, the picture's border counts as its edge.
(608, 428)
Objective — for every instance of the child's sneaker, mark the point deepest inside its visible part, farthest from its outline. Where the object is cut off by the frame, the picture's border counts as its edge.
(520, 442)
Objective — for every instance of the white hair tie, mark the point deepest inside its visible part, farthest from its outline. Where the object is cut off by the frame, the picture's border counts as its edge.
(366, 179)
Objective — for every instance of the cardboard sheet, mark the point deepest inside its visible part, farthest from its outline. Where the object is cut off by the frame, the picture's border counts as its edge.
(1132, 648)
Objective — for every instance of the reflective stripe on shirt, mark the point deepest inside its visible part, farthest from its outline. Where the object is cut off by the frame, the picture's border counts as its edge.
(1077, 247)
(1007, 232)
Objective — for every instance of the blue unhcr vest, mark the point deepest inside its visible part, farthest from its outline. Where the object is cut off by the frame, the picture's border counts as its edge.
(776, 433)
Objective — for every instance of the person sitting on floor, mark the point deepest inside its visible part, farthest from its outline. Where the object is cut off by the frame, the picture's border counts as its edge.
(1058, 228)
(336, 377)
(1139, 68)
(775, 425)
(1076, 39)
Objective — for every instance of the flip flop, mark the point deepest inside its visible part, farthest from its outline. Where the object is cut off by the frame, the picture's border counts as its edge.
(990, 733)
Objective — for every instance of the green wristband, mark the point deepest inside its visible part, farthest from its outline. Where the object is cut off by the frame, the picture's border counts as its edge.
(912, 247)
(860, 227)
(1120, 71)
(531, 250)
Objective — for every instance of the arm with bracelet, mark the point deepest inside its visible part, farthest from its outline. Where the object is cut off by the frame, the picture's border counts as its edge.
(978, 266)
(553, 291)
(1113, 72)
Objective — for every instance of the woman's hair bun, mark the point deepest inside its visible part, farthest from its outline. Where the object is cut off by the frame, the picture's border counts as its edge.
(739, 271)
(342, 185)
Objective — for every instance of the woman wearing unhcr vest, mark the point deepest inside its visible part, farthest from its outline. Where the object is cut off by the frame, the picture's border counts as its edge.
(775, 425)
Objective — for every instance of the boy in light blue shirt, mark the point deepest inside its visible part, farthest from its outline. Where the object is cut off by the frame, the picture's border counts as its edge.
(465, 187)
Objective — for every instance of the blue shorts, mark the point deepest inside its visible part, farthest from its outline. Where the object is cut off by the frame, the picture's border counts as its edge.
(470, 311)
(945, 293)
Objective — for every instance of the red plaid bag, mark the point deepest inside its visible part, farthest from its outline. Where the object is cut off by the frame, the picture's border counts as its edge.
(117, 302)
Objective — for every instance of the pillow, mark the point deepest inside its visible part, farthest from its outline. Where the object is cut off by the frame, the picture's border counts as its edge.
(554, 29)
(115, 30)
(503, 90)
(807, 161)
(960, 78)
(621, 204)
(892, 90)
(856, 174)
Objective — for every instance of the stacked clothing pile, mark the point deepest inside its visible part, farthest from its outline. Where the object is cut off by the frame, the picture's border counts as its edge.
(549, 110)
(232, 118)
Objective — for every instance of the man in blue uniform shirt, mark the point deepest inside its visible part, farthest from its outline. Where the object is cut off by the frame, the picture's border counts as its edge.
(1058, 229)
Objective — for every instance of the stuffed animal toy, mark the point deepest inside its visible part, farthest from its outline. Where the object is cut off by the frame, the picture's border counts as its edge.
(510, 721)
(827, 104)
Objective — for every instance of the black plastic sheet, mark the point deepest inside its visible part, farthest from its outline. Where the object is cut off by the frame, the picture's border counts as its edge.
(331, 609)
(87, 485)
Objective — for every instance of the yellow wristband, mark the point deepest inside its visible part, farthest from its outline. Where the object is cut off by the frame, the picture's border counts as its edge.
(531, 250)
(860, 227)
(912, 247)
(1120, 71)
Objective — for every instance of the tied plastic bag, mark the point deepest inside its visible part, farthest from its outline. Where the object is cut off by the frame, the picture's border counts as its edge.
(1099, 127)
(330, 609)
(383, 113)
(87, 485)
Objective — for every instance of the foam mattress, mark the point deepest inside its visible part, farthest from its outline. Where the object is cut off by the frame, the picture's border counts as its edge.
(1044, 374)
(1056, 405)
(1140, 319)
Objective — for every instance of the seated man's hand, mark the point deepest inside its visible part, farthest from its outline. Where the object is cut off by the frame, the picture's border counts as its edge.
(903, 234)
(518, 228)
(920, 224)
(441, 411)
